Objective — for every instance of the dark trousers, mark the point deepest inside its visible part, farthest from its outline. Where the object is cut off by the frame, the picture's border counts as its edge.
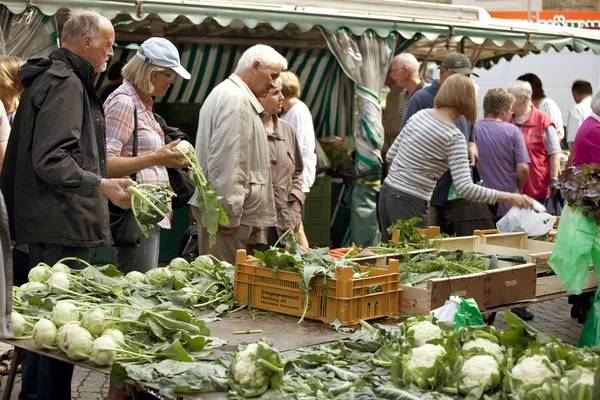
(395, 205)
(44, 378)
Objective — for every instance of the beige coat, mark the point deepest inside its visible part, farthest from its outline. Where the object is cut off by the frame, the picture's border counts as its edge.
(232, 148)
(286, 169)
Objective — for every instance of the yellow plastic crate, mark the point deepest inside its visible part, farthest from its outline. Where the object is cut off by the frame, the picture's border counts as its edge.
(346, 299)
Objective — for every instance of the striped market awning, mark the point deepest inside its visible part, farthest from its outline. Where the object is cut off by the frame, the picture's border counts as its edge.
(326, 90)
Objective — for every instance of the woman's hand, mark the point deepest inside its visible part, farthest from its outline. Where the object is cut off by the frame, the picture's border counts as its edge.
(169, 158)
(517, 200)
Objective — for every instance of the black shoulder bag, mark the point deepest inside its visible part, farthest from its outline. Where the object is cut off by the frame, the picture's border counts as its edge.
(123, 226)
(179, 180)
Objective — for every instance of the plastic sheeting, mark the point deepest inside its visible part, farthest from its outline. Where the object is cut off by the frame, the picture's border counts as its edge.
(366, 60)
(27, 35)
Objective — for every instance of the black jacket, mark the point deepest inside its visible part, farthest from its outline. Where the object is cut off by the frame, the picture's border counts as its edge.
(56, 156)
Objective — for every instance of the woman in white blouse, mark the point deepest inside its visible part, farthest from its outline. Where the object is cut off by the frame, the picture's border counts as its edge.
(297, 114)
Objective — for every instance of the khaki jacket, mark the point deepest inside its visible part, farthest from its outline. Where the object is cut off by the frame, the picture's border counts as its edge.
(232, 148)
(286, 170)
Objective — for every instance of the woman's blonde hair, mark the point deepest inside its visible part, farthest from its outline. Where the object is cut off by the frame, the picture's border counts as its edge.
(138, 71)
(496, 99)
(9, 67)
(458, 92)
(290, 84)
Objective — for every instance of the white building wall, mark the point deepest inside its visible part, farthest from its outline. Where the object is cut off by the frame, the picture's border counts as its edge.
(557, 71)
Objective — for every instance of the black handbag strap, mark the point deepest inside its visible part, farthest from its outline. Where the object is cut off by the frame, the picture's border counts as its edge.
(135, 136)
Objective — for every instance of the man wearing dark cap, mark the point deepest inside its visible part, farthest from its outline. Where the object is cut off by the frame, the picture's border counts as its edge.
(454, 63)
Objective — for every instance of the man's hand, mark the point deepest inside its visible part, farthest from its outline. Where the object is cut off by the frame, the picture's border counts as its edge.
(473, 154)
(169, 158)
(114, 189)
(554, 185)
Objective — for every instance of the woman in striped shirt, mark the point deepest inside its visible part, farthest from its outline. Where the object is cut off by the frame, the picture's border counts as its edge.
(426, 148)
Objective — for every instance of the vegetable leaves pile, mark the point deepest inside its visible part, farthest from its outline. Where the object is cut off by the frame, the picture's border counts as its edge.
(419, 359)
(423, 267)
(580, 186)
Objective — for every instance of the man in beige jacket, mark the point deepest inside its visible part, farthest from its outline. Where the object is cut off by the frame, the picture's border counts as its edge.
(233, 150)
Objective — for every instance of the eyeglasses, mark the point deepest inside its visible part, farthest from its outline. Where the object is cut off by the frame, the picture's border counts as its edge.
(170, 74)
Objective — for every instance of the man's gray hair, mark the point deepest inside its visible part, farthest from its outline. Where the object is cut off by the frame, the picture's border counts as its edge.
(596, 101)
(407, 60)
(521, 89)
(267, 56)
(82, 23)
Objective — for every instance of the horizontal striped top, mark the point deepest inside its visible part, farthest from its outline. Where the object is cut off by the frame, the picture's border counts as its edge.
(424, 150)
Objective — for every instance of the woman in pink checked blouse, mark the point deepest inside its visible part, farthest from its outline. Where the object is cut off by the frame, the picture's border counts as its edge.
(149, 73)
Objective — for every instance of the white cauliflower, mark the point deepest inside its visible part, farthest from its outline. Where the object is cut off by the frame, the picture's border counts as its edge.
(533, 371)
(425, 356)
(586, 378)
(256, 368)
(478, 371)
(424, 332)
(246, 368)
(488, 346)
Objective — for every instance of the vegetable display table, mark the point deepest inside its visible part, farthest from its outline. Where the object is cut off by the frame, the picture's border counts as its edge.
(284, 332)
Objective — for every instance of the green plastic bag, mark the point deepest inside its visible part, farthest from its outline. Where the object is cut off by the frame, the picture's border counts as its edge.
(591, 330)
(453, 194)
(577, 245)
(467, 314)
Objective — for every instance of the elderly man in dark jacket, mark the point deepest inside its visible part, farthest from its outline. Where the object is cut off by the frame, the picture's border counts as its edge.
(54, 176)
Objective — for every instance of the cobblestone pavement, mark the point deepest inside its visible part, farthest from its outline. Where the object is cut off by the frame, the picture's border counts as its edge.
(551, 317)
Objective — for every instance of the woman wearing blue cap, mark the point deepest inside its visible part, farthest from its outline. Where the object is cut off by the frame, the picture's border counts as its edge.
(149, 73)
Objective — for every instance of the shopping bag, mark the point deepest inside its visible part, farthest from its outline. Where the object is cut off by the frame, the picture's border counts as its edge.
(591, 330)
(536, 222)
(577, 244)
(467, 314)
(446, 312)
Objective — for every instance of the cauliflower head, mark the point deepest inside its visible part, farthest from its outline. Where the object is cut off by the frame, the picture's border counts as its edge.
(425, 331)
(488, 346)
(479, 371)
(425, 356)
(586, 378)
(246, 369)
(257, 367)
(533, 370)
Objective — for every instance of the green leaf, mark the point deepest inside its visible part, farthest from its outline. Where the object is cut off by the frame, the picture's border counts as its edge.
(386, 356)
(343, 374)
(174, 351)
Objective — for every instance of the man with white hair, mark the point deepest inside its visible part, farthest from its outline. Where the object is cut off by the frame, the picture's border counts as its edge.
(454, 63)
(54, 176)
(405, 71)
(233, 150)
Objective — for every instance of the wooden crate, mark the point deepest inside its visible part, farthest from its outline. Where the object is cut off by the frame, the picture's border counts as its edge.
(420, 301)
(552, 285)
(534, 251)
(512, 244)
(505, 285)
(345, 299)
(510, 285)
(426, 233)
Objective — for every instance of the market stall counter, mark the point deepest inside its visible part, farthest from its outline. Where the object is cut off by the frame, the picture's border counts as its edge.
(284, 331)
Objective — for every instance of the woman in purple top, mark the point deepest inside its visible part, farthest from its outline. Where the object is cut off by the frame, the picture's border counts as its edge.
(586, 149)
(503, 158)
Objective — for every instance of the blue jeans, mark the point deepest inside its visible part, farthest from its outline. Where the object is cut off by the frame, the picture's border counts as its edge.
(44, 378)
(142, 258)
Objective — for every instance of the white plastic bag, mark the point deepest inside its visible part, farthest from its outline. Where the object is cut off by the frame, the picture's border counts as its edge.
(446, 312)
(536, 222)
